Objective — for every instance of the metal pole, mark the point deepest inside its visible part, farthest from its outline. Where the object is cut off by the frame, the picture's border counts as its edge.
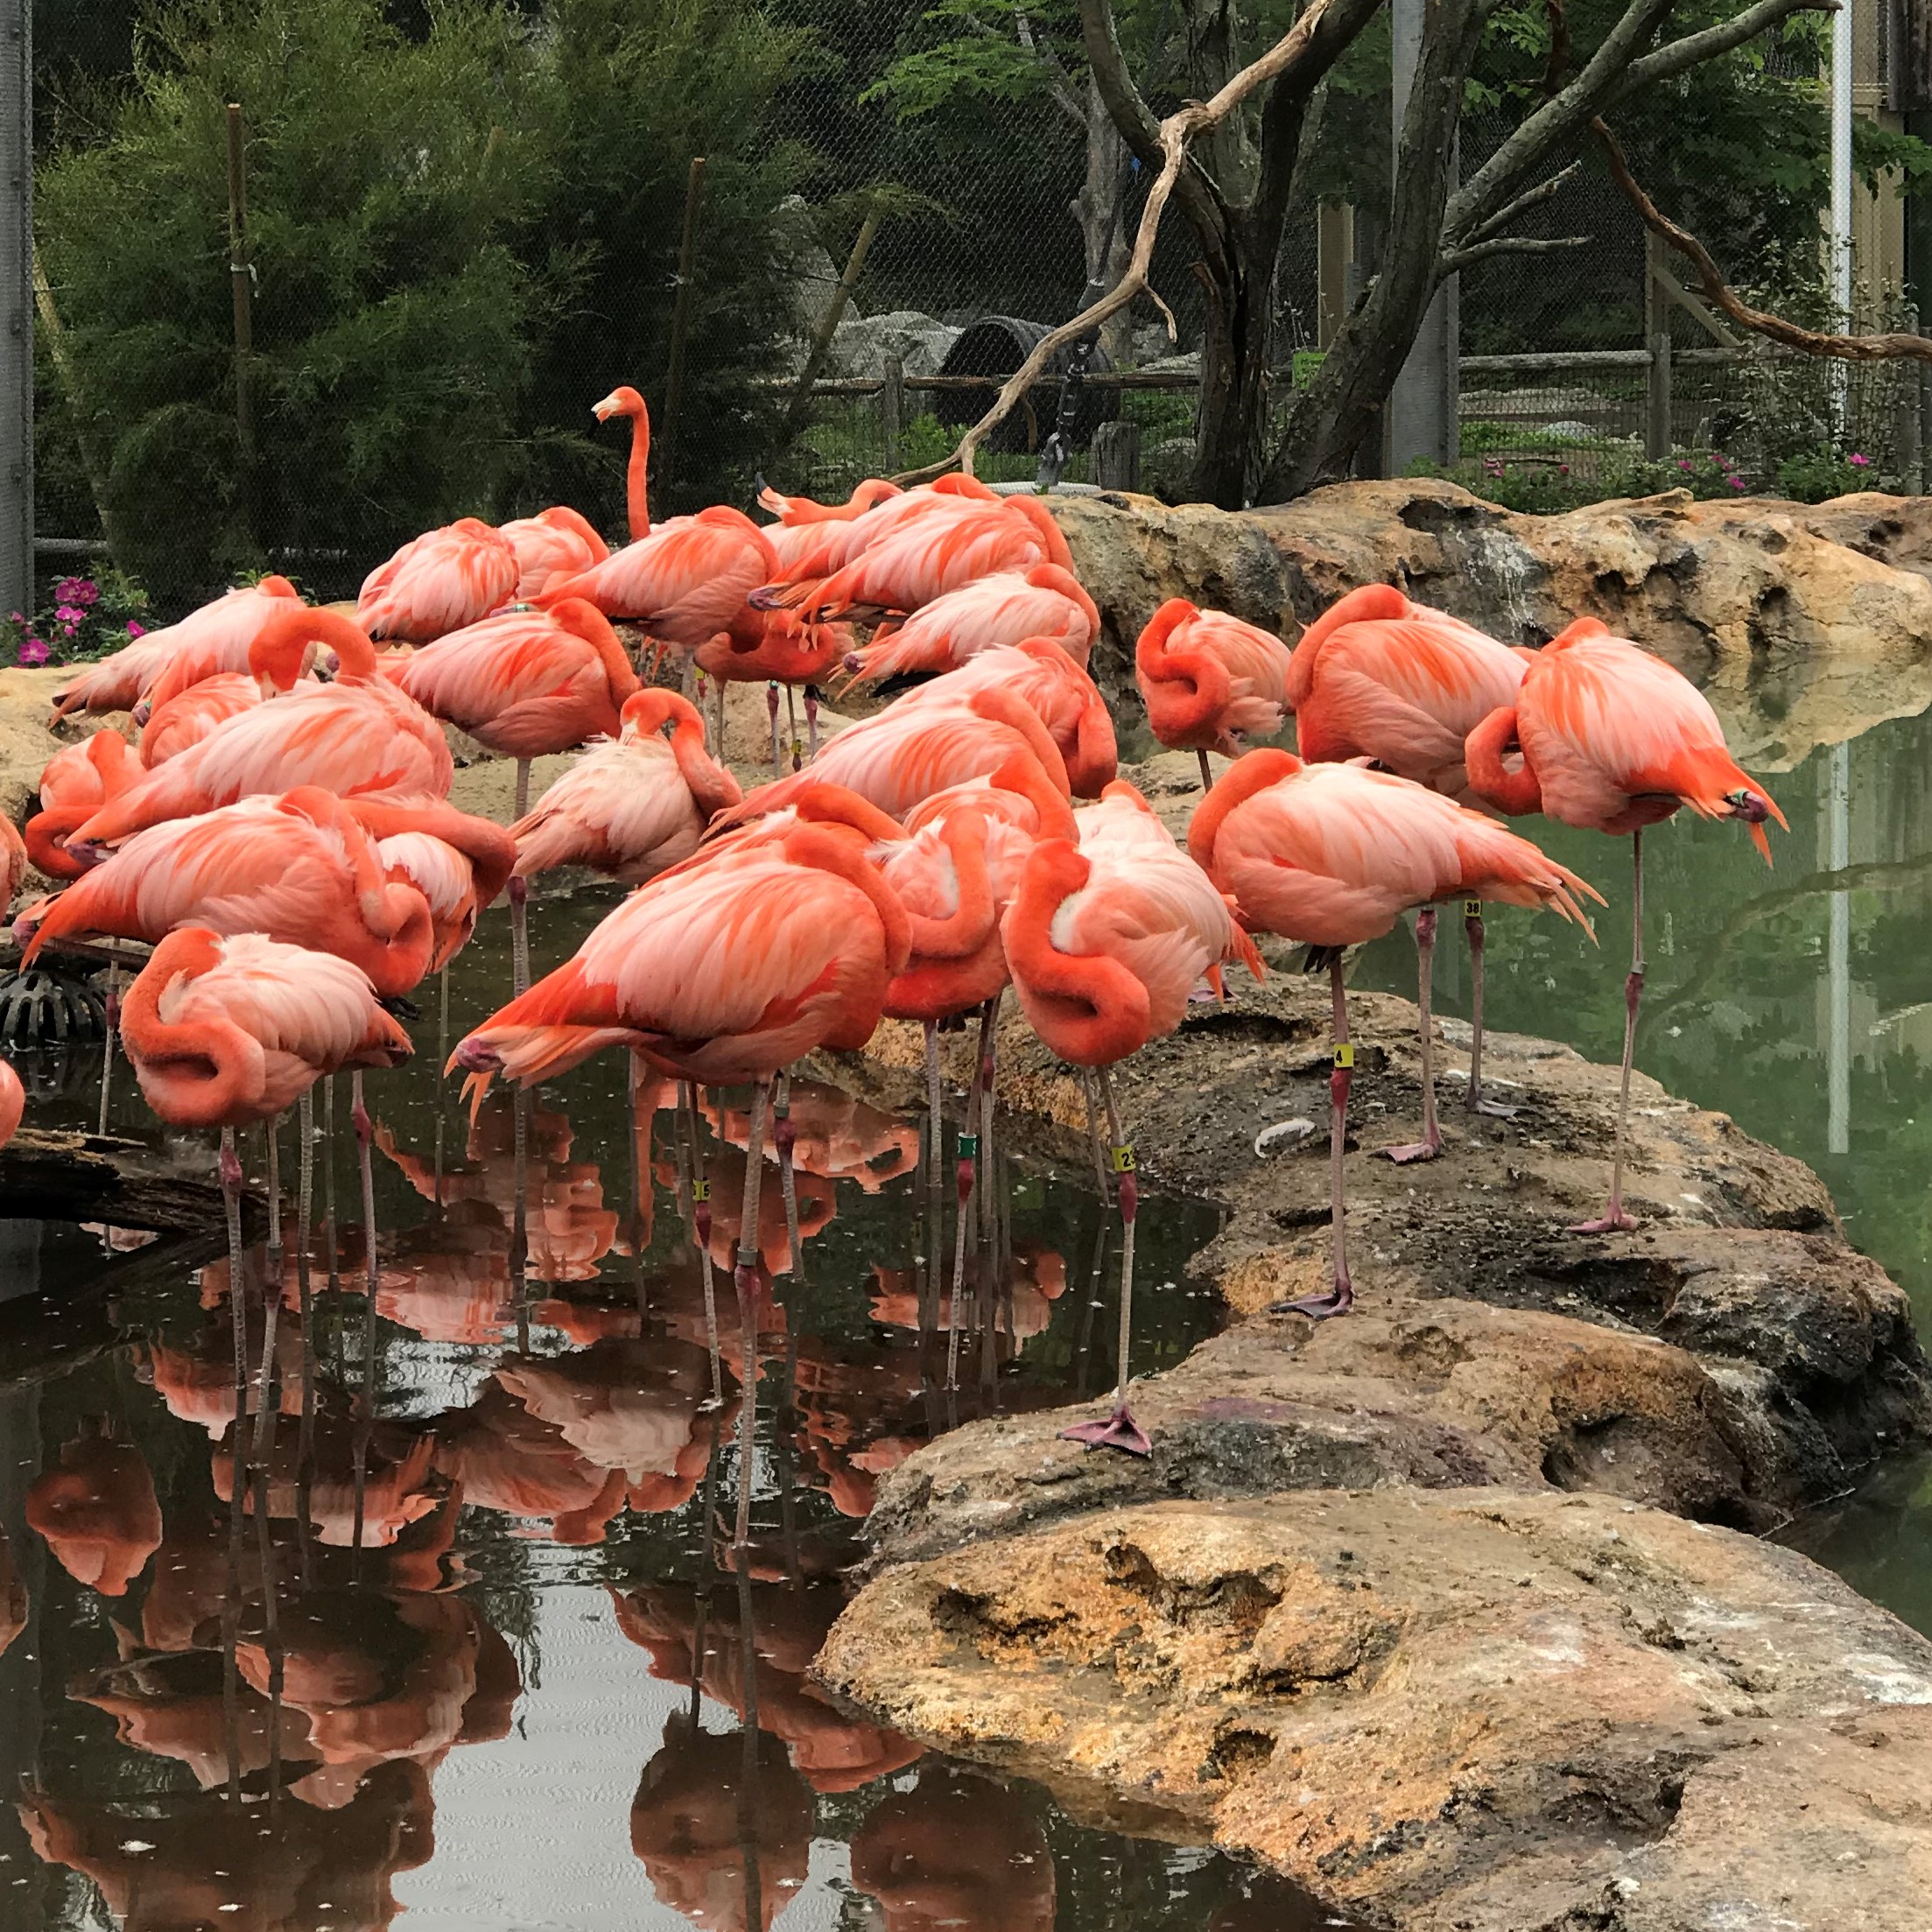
(1838, 957)
(1839, 232)
(1657, 304)
(241, 290)
(17, 335)
(680, 320)
(1421, 405)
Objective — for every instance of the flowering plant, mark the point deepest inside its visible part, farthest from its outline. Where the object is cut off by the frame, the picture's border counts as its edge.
(88, 618)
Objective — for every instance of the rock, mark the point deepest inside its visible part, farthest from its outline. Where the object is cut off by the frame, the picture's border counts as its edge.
(863, 348)
(1455, 1711)
(1821, 616)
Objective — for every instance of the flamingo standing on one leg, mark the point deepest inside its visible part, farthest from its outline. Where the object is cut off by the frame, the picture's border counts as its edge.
(1105, 941)
(1613, 739)
(225, 1031)
(1330, 855)
(119, 681)
(634, 805)
(525, 685)
(1007, 607)
(359, 734)
(1376, 676)
(438, 582)
(1208, 680)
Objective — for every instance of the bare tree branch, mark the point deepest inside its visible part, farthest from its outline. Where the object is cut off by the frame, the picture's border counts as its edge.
(1458, 259)
(1676, 56)
(1176, 132)
(1721, 297)
(1534, 197)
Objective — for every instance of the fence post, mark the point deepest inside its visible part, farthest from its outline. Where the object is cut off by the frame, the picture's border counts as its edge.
(680, 318)
(1117, 455)
(1656, 330)
(828, 323)
(241, 292)
(892, 411)
(17, 321)
(1911, 432)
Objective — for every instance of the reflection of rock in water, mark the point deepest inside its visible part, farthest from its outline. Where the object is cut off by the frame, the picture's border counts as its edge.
(717, 1819)
(957, 1851)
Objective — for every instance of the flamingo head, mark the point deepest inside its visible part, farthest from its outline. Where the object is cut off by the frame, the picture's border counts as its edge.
(622, 401)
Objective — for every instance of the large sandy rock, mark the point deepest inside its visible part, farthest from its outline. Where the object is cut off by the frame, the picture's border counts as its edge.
(1451, 1710)
(1805, 625)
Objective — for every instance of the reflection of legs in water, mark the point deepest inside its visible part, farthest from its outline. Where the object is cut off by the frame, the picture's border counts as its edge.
(973, 1146)
(519, 1226)
(107, 1043)
(330, 1237)
(365, 1400)
(1118, 1430)
(442, 1059)
(746, 1281)
(519, 896)
(747, 1785)
(305, 1206)
(784, 1136)
(700, 1226)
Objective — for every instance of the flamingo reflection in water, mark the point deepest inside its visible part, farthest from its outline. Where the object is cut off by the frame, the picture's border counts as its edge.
(96, 1510)
(958, 1851)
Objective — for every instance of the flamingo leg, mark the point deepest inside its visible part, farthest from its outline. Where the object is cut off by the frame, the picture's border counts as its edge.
(1472, 925)
(519, 1223)
(271, 1298)
(968, 1182)
(929, 1300)
(519, 898)
(812, 722)
(1613, 1220)
(700, 1226)
(275, 1202)
(442, 1055)
(1118, 1430)
(784, 1137)
(304, 1204)
(746, 1281)
(107, 1045)
(771, 708)
(1431, 1143)
(1341, 1297)
(365, 1400)
(229, 1168)
(792, 723)
(1207, 775)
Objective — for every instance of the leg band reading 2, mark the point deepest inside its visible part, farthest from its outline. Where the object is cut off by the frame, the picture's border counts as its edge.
(1123, 1160)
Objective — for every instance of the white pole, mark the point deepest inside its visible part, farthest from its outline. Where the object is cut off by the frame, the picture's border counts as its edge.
(1840, 233)
(1838, 958)
(16, 304)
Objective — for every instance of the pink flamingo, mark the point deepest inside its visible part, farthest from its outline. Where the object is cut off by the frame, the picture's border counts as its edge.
(359, 734)
(780, 649)
(554, 542)
(1332, 855)
(1376, 676)
(634, 805)
(438, 582)
(1613, 739)
(225, 1031)
(13, 1102)
(813, 549)
(185, 719)
(1007, 608)
(458, 862)
(1208, 680)
(1050, 684)
(622, 402)
(119, 681)
(1106, 939)
(78, 781)
(525, 684)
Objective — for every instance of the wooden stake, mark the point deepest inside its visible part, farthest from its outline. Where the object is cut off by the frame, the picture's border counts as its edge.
(828, 323)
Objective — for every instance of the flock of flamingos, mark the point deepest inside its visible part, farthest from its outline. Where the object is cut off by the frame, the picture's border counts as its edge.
(281, 834)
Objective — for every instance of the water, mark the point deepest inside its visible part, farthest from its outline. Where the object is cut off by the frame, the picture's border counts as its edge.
(538, 1695)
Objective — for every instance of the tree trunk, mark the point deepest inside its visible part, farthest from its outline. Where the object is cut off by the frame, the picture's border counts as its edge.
(1101, 209)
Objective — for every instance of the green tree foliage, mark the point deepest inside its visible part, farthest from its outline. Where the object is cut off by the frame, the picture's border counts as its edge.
(462, 237)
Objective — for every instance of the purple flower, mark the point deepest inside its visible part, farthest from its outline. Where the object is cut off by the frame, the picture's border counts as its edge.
(1683, 463)
(1562, 469)
(1861, 462)
(33, 651)
(69, 613)
(136, 630)
(15, 618)
(1736, 482)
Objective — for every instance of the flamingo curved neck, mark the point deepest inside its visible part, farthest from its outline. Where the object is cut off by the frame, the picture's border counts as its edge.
(637, 474)
(1516, 792)
(1087, 1007)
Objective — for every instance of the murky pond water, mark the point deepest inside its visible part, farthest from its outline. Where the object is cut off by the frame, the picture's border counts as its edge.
(484, 1658)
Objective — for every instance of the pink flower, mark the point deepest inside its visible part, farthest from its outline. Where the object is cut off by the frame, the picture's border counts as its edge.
(1861, 462)
(1683, 463)
(137, 630)
(33, 651)
(1736, 482)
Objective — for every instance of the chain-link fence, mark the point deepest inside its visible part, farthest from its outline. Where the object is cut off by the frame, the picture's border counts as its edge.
(446, 244)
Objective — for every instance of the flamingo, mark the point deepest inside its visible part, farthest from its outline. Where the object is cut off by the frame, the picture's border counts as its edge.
(1332, 856)
(554, 542)
(1208, 679)
(1104, 940)
(813, 550)
(1050, 684)
(1376, 676)
(13, 1102)
(119, 681)
(633, 805)
(438, 582)
(923, 557)
(298, 868)
(359, 734)
(225, 1031)
(524, 684)
(783, 939)
(458, 862)
(908, 752)
(185, 719)
(221, 655)
(781, 649)
(79, 779)
(800, 511)
(956, 872)
(1007, 608)
(624, 401)
(1613, 739)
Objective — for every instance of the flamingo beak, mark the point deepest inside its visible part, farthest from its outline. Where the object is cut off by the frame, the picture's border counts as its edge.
(604, 411)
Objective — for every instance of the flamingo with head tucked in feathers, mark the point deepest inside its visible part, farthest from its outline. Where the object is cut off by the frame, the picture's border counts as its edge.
(1057, 690)
(1332, 855)
(1612, 738)
(1106, 939)
(557, 542)
(78, 781)
(438, 582)
(1007, 608)
(1209, 680)
(359, 734)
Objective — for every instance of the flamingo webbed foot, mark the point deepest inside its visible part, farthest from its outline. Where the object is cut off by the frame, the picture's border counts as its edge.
(1319, 1307)
(1411, 1151)
(1494, 1110)
(1119, 1431)
(1615, 1222)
